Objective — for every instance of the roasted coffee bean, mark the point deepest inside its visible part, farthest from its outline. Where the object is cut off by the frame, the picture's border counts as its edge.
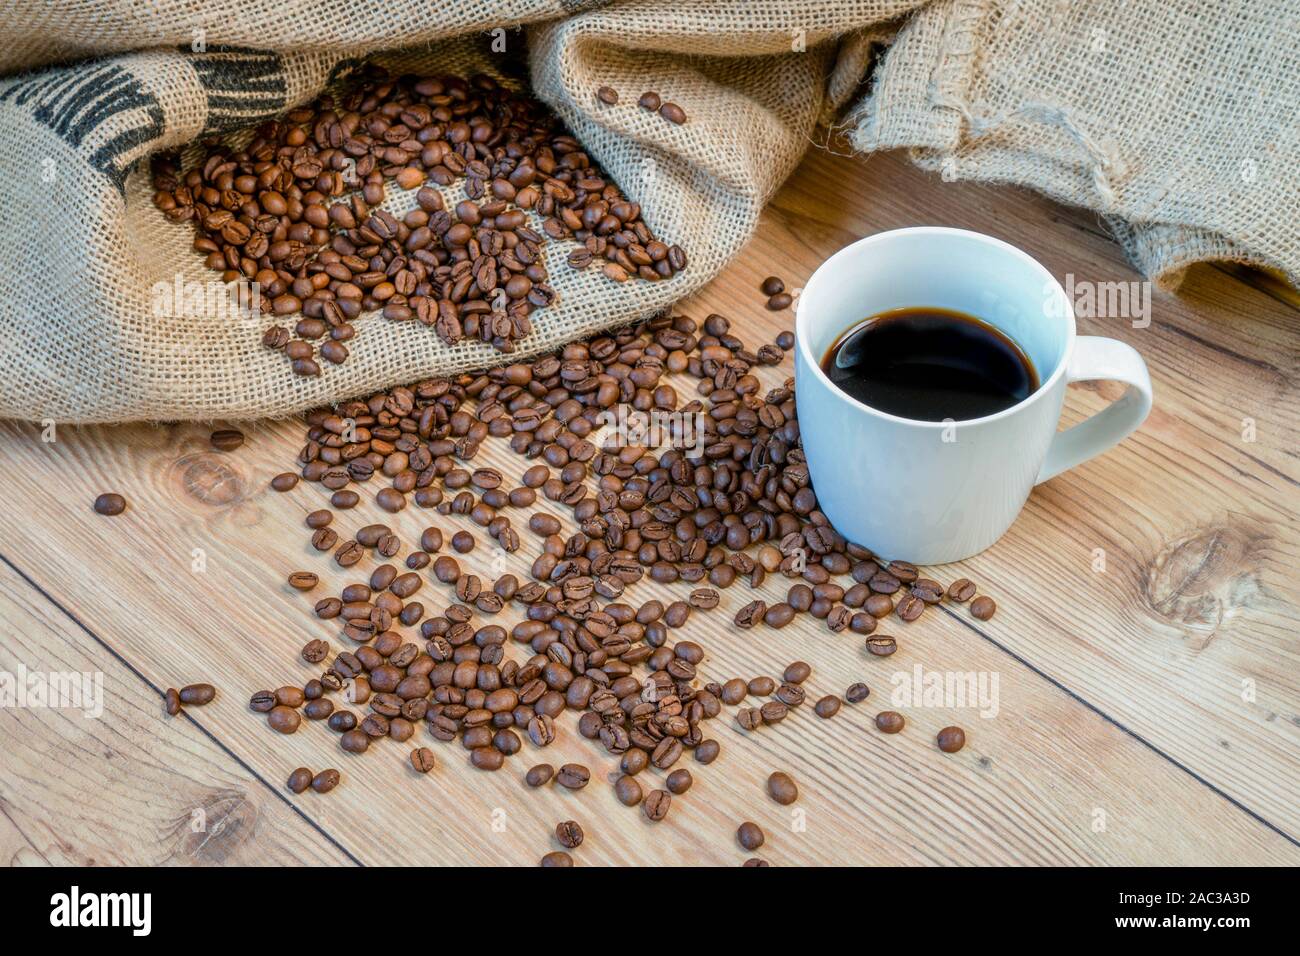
(749, 718)
(315, 651)
(607, 95)
(283, 719)
(707, 751)
(110, 504)
(539, 775)
(792, 695)
(303, 580)
(649, 101)
(961, 590)
(285, 481)
(462, 542)
(772, 285)
(929, 591)
(226, 439)
(828, 706)
(357, 740)
(910, 607)
(982, 608)
(951, 739)
(673, 113)
(857, 693)
(797, 673)
(879, 605)
(781, 788)
(734, 691)
(679, 781)
(486, 758)
(195, 695)
(656, 804)
(172, 702)
(422, 759)
(889, 722)
(299, 780)
(773, 712)
(557, 858)
(778, 615)
(782, 300)
(325, 781)
(349, 554)
(261, 702)
(755, 861)
(627, 790)
(569, 834)
(573, 776)
(881, 646)
(751, 614)
(749, 835)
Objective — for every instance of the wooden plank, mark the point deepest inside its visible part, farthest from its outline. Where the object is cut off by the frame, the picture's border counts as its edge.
(1082, 764)
(128, 785)
(1026, 788)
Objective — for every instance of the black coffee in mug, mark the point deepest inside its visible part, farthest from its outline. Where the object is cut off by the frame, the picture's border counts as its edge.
(930, 365)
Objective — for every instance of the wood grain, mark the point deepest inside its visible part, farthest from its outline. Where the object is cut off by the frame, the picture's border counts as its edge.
(128, 786)
(1120, 735)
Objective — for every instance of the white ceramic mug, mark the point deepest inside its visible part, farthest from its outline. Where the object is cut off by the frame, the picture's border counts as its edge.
(933, 492)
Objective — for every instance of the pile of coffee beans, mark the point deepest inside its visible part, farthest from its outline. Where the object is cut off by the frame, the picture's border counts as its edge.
(299, 210)
(730, 512)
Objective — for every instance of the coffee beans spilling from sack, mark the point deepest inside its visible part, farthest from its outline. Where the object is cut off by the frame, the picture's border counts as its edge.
(297, 215)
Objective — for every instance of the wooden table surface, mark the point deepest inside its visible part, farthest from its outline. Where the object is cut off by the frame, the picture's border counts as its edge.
(1145, 651)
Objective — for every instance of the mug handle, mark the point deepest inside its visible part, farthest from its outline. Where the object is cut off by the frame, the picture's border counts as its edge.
(1096, 358)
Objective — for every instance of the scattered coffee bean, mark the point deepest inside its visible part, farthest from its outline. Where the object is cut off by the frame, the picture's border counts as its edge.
(325, 781)
(679, 781)
(951, 739)
(656, 804)
(539, 775)
(627, 790)
(283, 719)
(749, 835)
(797, 673)
(782, 300)
(557, 858)
(881, 646)
(422, 759)
(285, 481)
(673, 113)
(299, 780)
(828, 706)
(110, 504)
(772, 285)
(573, 776)
(607, 95)
(195, 695)
(569, 834)
(172, 702)
(982, 607)
(303, 580)
(857, 693)
(961, 590)
(889, 722)
(226, 439)
(781, 788)
(649, 101)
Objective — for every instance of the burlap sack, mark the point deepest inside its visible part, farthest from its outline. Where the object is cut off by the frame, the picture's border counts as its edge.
(982, 88)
